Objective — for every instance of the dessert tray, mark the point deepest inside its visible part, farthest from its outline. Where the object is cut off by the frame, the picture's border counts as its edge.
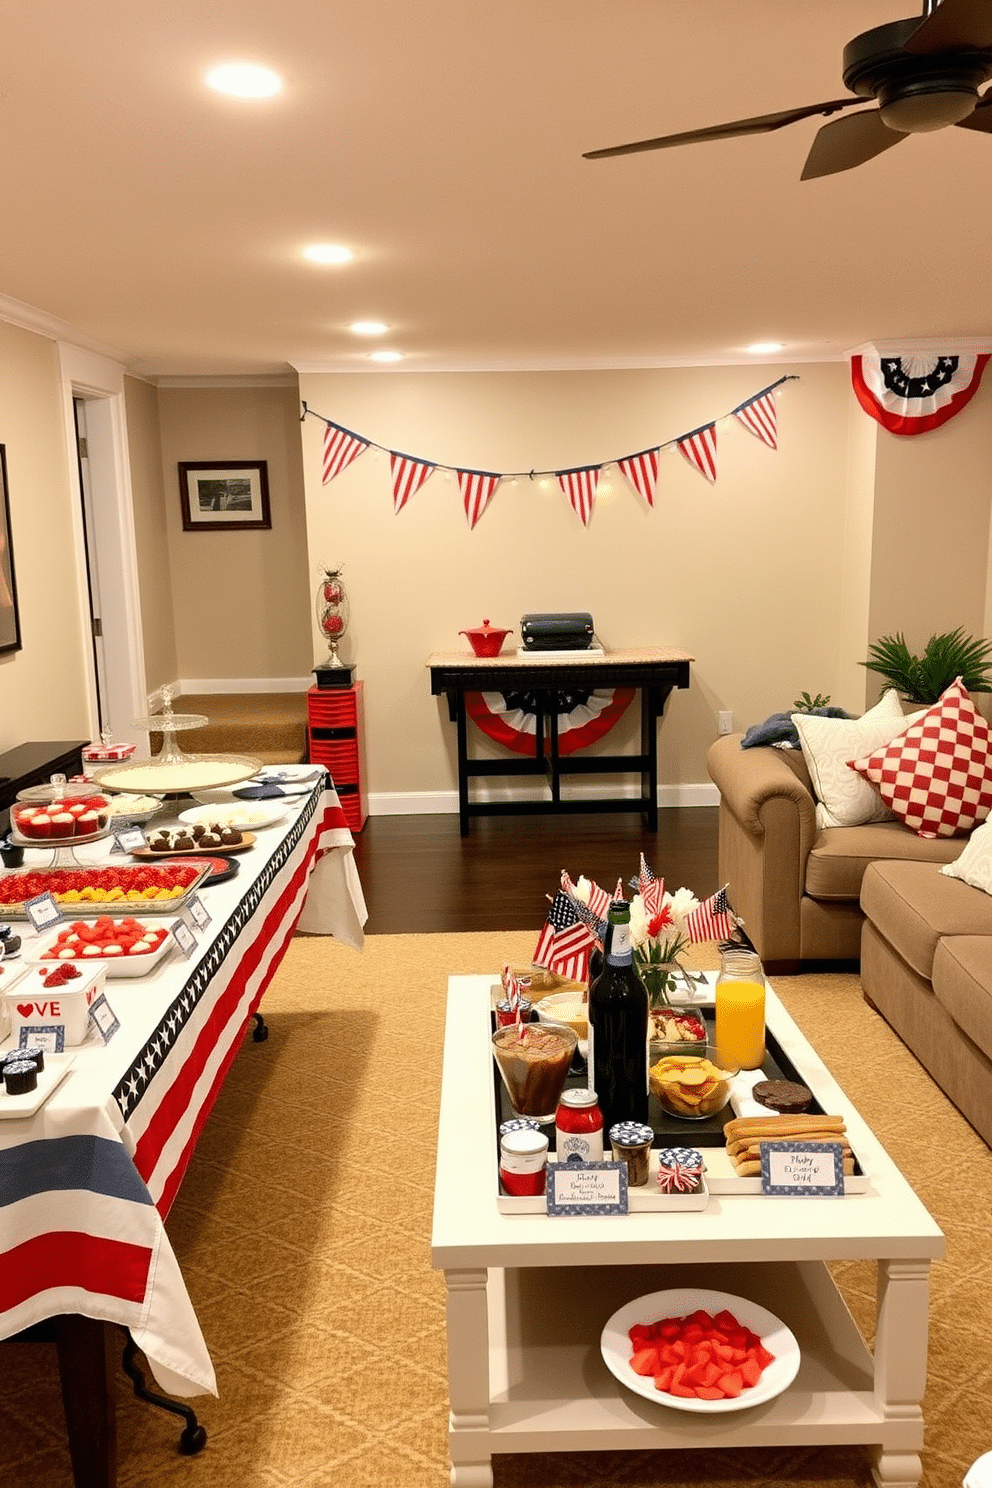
(179, 776)
(85, 952)
(680, 1302)
(57, 1066)
(151, 855)
(134, 887)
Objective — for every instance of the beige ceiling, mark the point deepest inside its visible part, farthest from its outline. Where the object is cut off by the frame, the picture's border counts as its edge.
(442, 140)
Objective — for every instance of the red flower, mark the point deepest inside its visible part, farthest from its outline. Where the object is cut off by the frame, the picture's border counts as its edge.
(658, 922)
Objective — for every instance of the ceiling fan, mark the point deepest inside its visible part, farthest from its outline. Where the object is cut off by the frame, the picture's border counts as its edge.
(924, 73)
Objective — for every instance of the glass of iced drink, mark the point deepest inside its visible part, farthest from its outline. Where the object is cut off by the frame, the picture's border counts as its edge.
(533, 1061)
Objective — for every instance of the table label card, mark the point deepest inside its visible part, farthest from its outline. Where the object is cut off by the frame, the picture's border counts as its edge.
(49, 1037)
(132, 839)
(103, 1018)
(803, 1169)
(587, 1188)
(42, 911)
(195, 913)
(184, 937)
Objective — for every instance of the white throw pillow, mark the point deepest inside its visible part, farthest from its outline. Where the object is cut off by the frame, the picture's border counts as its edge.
(844, 799)
(974, 865)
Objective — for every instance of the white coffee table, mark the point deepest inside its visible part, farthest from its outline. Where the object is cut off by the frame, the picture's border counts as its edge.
(527, 1295)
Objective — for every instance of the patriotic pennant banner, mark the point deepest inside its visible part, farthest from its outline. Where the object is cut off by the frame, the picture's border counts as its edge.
(340, 448)
(915, 393)
(580, 488)
(760, 418)
(642, 472)
(477, 489)
(700, 450)
(579, 485)
(408, 477)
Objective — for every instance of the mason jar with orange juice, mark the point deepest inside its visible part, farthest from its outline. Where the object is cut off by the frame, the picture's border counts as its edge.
(740, 1009)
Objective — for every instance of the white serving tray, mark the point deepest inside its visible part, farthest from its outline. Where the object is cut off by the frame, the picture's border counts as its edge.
(641, 1200)
(114, 966)
(56, 1068)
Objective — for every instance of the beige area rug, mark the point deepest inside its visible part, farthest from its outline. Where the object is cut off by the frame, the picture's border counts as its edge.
(303, 1231)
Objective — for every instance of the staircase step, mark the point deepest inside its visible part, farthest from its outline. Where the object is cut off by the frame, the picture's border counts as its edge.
(269, 726)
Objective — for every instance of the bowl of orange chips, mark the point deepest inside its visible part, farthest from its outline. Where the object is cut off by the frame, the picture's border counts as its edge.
(691, 1086)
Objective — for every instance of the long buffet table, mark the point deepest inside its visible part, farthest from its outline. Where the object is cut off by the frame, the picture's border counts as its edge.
(86, 1181)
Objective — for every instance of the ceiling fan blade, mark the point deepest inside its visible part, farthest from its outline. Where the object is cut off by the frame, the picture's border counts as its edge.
(981, 119)
(762, 124)
(848, 142)
(955, 23)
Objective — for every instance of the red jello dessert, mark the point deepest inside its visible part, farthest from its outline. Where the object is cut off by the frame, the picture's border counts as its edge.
(63, 824)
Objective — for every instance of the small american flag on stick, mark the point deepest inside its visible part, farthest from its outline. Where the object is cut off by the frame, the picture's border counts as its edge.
(651, 889)
(565, 941)
(711, 920)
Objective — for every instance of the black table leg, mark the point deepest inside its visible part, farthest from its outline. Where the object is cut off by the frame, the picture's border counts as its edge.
(462, 734)
(87, 1354)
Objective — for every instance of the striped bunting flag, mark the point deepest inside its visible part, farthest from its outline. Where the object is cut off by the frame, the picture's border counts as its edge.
(580, 488)
(642, 472)
(408, 477)
(760, 418)
(477, 487)
(340, 448)
(700, 450)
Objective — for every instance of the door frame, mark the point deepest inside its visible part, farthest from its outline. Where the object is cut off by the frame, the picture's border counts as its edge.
(100, 383)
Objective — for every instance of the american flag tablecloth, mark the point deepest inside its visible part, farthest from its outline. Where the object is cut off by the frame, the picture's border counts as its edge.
(87, 1181)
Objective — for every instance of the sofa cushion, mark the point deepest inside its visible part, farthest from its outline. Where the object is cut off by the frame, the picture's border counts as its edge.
(912, 905)
(937, 774)
(840, 855)
(844, 799)
(962, 982)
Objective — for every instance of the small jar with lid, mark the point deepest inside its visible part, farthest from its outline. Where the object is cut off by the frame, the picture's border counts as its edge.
(506, 1013)
(579, 1126)
(523, 1159)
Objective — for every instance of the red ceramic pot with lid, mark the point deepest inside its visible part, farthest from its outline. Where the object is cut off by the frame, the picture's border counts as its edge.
(486, 639)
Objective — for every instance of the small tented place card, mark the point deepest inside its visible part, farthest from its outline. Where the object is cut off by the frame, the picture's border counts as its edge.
(195, 913)
(587, 1188)
(184, 937)
(103, 1018)
(42, 911)
(49, 1037)
(131, 839)
(812, 1170)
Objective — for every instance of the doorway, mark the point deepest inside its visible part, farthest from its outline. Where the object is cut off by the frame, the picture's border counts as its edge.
(92, 570)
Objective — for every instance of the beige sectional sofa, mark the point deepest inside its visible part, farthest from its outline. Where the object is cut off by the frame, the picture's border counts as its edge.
(926, 964)
(797, 885)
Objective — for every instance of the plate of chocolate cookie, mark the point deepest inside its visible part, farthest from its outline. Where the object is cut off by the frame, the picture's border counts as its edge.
(198, 839)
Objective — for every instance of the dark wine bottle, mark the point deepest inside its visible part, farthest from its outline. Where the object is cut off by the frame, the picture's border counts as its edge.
(618, 1027)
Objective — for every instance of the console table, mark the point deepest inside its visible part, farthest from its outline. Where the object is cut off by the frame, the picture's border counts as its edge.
(653, 671)
(35, 764)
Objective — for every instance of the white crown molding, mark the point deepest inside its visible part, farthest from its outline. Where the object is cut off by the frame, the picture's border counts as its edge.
(29, 318)
(247, 380)
(572, 364)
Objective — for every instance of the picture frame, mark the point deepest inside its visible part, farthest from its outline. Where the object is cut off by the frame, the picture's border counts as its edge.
(10, 619)
(224, 495)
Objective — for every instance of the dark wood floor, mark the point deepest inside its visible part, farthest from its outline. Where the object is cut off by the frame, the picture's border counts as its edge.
(419, 875)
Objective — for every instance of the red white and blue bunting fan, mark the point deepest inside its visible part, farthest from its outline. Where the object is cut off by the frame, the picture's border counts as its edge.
(584, 715)
(579, 484)
(408, 476)
(642, 472)
(477, 487)
(699, 449)
(760, 418)
(915, 393)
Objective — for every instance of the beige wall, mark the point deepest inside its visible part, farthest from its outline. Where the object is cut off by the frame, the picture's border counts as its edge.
(151, 532)
(241, 600)
(743, 574)
(42, 687)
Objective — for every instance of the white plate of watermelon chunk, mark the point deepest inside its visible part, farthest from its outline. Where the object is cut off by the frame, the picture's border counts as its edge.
(697, 1350)
(126, 947)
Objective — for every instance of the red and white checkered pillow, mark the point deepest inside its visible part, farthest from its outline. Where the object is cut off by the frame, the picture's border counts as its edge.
(937, 775)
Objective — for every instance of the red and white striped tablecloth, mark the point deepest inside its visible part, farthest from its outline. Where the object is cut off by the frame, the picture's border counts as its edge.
(86, 1182)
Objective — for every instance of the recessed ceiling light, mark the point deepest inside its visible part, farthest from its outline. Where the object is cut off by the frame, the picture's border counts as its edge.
(244, 80)
(328, 253)
(386, 356)
(762, 348)
(368, 328)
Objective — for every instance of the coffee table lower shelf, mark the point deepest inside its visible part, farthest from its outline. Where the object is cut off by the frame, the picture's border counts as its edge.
(550, 1391)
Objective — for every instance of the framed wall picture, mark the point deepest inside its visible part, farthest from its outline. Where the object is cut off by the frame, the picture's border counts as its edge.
(224, 495)
(10, 620)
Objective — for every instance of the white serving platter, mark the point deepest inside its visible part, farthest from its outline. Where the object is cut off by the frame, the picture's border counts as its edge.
(680, 1302)
(57, 1066)
(646, 1198)
(252, 816)
(114, 966)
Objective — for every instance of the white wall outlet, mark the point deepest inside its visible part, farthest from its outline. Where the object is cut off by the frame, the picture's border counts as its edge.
(726, 722)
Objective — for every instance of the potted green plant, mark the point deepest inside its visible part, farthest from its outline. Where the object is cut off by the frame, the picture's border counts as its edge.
(922, 679)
